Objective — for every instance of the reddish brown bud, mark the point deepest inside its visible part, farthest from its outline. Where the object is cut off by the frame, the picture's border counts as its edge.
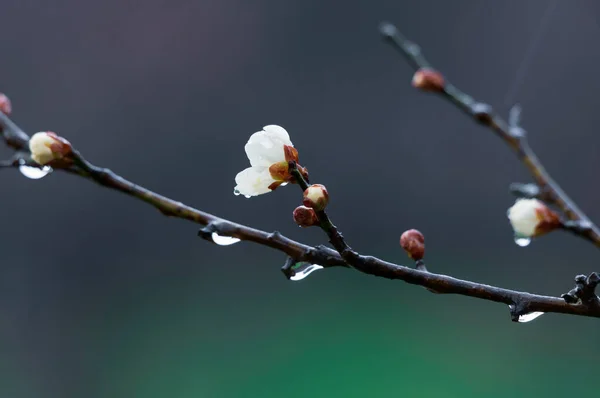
(413, 242)
(428, 79)
(305, 216)
(290, 153)
(5, 105)
(316, 196)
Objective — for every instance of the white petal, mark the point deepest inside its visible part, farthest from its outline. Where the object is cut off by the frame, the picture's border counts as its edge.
(523, 216)
(266, 147)
(39, 146)
(278, 133)
(253, 181)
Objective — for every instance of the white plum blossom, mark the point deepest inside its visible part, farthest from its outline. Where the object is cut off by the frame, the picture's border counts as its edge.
(46, 146)
(269, 151)
(531, 217)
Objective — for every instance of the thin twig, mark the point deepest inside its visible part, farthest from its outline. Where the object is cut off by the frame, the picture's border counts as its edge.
(510, 132)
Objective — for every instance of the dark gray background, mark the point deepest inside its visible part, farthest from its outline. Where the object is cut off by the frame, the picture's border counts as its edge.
(166, 93)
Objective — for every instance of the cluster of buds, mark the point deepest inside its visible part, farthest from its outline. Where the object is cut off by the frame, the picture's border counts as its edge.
(46, 147)
(531, 218)
(315, 199)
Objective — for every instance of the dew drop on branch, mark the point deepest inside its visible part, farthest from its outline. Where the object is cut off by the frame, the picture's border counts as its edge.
(223, 240)
(529, 317)
(35, 173)
(304, 270)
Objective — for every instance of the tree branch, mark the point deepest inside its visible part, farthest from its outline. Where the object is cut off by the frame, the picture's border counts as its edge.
(510, 132)
(579, 301)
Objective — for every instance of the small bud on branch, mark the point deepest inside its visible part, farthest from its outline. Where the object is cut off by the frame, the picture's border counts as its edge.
(46, 147)
(413, 242)
(428, 79)
(316, 197)
(532, 218)
(305, 216)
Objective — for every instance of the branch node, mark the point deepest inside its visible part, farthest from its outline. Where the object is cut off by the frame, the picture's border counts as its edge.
(288, 267)
(526, 191)
(219, 233)
(584, 291)
(483, 113)
(420, 265)
(578, 227)
(516, 310)
(274, 236)
(207, 231)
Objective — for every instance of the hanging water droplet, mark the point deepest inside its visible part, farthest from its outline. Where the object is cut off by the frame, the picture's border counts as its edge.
(35, 173)
(304, 270)
(529, 317)
(522, 241)
(223, 240)
(238, 193)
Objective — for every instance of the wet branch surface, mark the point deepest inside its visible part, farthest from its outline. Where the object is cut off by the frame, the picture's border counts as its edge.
(581, 300)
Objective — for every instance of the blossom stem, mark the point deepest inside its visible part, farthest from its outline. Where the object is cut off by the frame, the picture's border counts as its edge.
(335, 237)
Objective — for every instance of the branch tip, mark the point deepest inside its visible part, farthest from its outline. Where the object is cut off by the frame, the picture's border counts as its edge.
(584, 291)
(387, 29)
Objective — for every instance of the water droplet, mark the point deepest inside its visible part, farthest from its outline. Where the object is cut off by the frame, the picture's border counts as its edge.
(35, 173)
(223, 240)
(304, 270)
(238, 193)
(522, 241)
(529, 317)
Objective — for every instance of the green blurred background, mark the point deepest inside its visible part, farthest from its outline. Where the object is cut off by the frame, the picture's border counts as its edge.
(101, 296)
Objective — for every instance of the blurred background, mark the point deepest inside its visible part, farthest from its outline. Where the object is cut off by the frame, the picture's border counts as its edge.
(101, 296)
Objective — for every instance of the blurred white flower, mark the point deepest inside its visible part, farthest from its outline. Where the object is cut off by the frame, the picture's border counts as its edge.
(269, 152)
(46, 146)
(531, 217)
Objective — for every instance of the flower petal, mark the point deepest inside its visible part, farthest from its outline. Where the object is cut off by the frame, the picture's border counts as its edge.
(267, 147)
(253, 181)
(278, 133)
(523, 216)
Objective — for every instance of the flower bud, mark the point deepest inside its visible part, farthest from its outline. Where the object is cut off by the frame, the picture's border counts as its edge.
(5, 105)
(428, 79)
(316, 196)
(531, 218)
(413, 242)
(47, 146)
(305, 216)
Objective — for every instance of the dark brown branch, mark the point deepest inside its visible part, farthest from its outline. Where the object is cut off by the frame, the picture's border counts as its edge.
(510, 132)
(520, 303)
